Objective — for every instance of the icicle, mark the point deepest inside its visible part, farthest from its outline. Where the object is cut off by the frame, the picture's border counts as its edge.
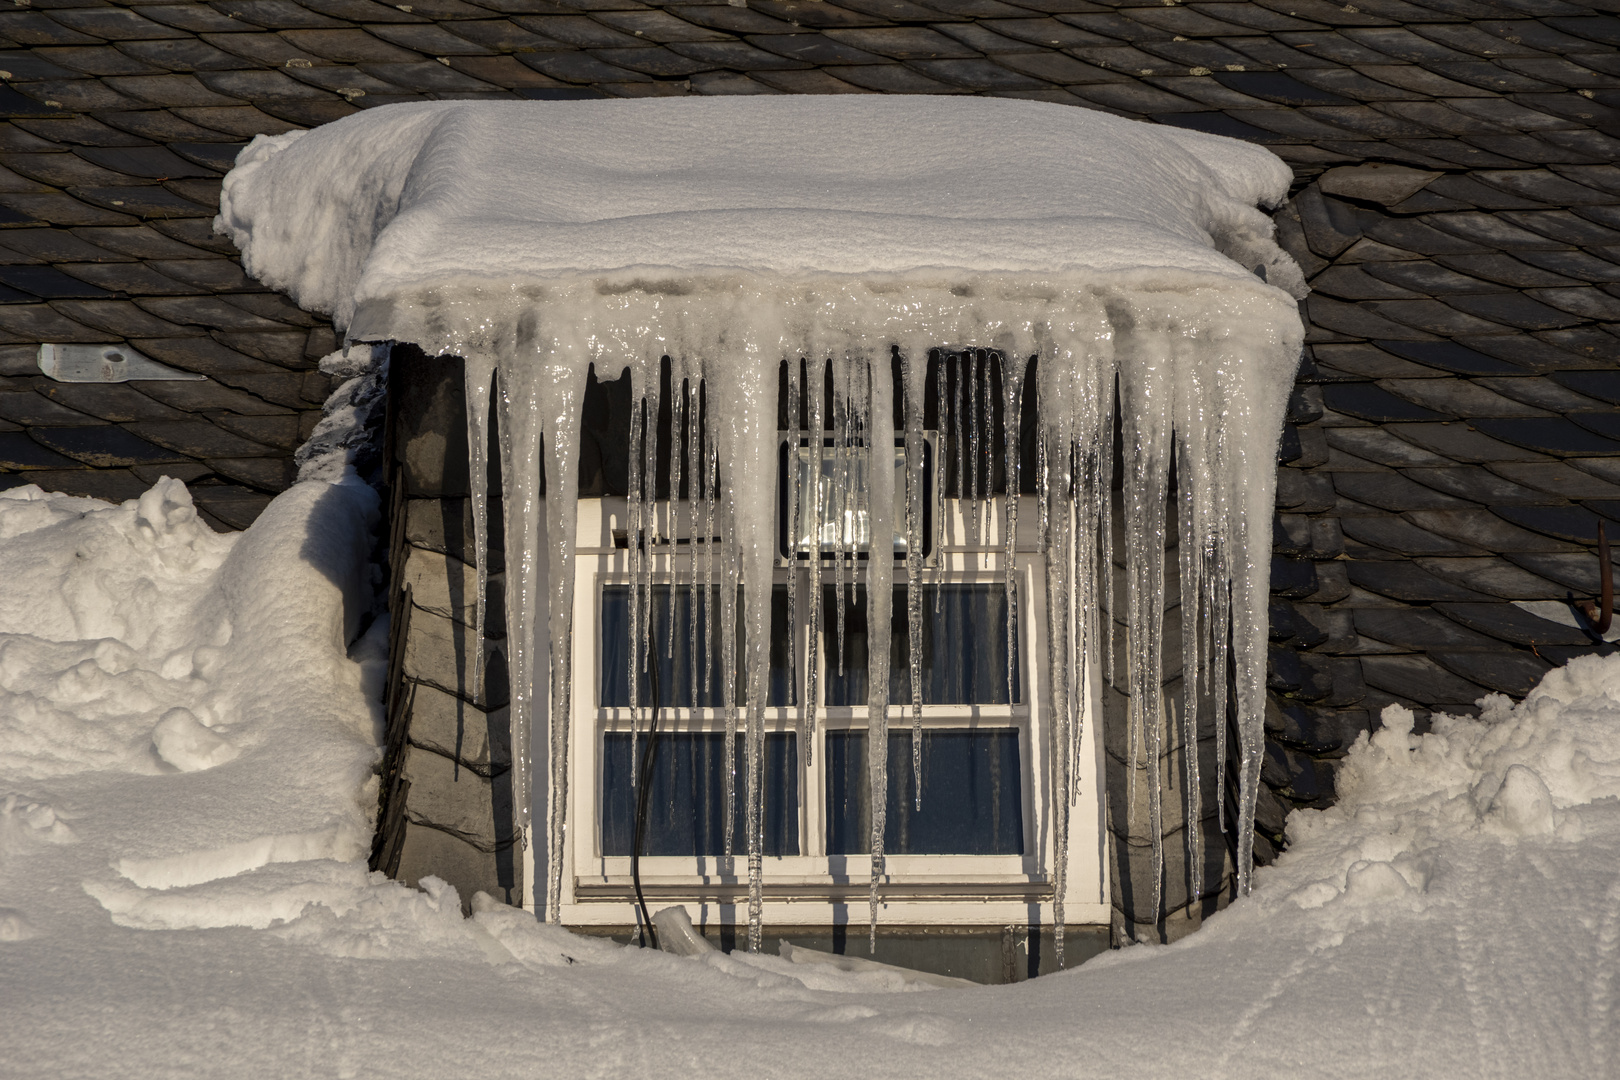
(970, 403)
(633, 508)
(1145, 399)
(649, 510)
(914, 366)
(745, 400)
(1056, 418)
(816, 392)
(711, 480)
(792, 501)
(677, 401)
(840, 499)
(1012, 390)
(878, 424)
(540, 419)
(1189, 560)
(941, 434)
(479, 376)
(694, 455)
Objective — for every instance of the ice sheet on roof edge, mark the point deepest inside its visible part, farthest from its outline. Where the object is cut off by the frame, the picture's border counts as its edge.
(375, 219)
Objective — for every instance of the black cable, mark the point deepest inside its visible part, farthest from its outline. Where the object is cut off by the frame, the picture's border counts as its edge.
(649, 755)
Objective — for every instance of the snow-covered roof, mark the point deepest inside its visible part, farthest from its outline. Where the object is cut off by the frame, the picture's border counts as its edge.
(415, 199)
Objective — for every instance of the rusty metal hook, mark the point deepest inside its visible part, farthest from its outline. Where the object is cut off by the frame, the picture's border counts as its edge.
(1601, 614)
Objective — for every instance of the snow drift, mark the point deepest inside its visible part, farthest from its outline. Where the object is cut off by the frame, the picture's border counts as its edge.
(1457, 913)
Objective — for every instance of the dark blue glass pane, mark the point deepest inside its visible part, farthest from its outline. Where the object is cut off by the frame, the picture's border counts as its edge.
(972, 794)
(681, 682)
(964, 648)
(686, 806)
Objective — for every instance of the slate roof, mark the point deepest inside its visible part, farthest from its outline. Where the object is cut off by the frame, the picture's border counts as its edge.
(1455, 435)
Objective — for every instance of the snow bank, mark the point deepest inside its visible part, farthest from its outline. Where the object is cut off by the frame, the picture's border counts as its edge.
(1457, 914)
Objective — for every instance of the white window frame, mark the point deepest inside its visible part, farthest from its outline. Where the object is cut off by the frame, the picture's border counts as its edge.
(815, 889)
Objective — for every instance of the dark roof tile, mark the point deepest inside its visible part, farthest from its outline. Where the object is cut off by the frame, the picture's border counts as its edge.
(1209, 55)
(38, 322)
(813, 49)
(104, 446)
(1042, 32)
(257, 86)
(1445, 318)
(1444, 119)
(1406, 581)
(366, 11)
(94, 60)
(138, 242)
(1578, 571)
(1351, 85)
(904, 43)
(1494, 575)
(1606, 422)
(1498, 268)
(1484, 529)
(231, 506)
(1204, 90)
(197, 438)
(198, 232)
(1417, 236)
(1556, 71)
(432, 40)
(55, 245)
(213, 312)
(1587, 302)
(1477, 485)
(278, 431)
(736, 54)
(279, 345)
(1598, 29)
(205, 356)
(1368, 401)
(36, 410)
(194, 397)
(1559, 478)
(59, 208)
(33, 28)
(1542, 393)
(116, 403)
(1357, 320)
(498, 34)
(265, 474)
(1564, 227)
(1458, 152)
(347, 46)
(1418, 630)
(1572, 523)
(656, 61)
(1511, 309)
(182, 54)
(1578, 264)
(1367, 362)
(1427, 278)
(120, 318)
(166, 91)
(1382, 533)
(1459, 442)
(804, 81)
(236, 120)
(135, 279)
(1055, 67)
(61, 169)
(1585, 341)
(1294, 123)
(193, 17)
(1451, 356)
(1458, 397)
(348, 82)
(1598, 384)
(893, 79)
(658, 26)
(1553, 435)
(1391, 491)
(274, 14)
(1354, 283)
(580, 68)
(1512, 623)
(1515, 673)
(147, 202)
(813, 13)
(503, 71)
(1402, 44)
(265, 50)
(734, 19)
(895, 10)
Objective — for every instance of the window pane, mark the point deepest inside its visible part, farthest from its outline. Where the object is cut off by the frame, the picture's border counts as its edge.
(972, 794)
(678, 677)
(964, 648)
(686, 806)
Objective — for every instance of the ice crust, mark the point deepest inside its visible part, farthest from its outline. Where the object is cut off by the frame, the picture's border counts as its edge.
(1457, 913)
(731, 236)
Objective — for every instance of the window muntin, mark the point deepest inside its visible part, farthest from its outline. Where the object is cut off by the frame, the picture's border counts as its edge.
(688, 795)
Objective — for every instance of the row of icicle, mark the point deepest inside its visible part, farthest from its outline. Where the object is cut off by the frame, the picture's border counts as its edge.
(1179, 409)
